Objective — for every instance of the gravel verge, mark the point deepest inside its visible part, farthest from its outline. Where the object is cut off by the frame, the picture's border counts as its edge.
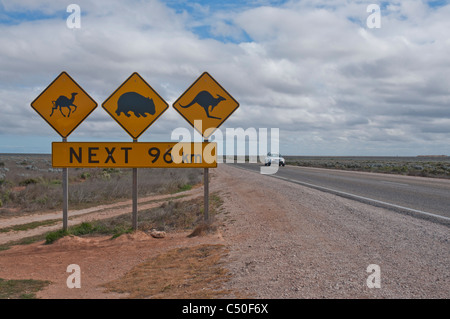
(290, 241)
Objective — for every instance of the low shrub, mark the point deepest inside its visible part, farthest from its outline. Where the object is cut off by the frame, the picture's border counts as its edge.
(28, 181)
(53, 236)
(170, 216)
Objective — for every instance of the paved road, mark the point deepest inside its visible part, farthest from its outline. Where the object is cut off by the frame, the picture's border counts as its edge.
(415, 195)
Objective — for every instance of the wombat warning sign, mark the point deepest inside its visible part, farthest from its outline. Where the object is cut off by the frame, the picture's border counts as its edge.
(135, 105)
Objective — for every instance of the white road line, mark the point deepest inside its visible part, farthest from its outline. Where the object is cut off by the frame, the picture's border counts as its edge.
(366, 199)
(394, 183)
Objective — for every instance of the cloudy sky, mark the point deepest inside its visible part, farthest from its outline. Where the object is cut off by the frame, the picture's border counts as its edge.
(313, 69)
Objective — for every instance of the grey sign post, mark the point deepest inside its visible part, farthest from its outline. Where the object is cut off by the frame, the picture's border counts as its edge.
(135, 196)
(206, 192)
(65, 186)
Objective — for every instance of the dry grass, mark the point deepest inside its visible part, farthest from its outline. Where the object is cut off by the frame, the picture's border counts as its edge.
(194, 272)
(170, 216)
(21, 289)
(203, 229)
(180, 215)
(28, 183)
(426, 166)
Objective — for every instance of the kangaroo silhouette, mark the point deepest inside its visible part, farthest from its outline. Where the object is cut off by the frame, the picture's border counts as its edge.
(206, 100)
(63, 101)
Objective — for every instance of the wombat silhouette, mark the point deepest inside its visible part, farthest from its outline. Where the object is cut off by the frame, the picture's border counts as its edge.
(206, 100)
(136, 103)
(64, 101)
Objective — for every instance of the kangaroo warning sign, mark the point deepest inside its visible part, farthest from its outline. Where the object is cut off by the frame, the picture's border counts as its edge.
(64, 104)
(135, 105)
(206, 101)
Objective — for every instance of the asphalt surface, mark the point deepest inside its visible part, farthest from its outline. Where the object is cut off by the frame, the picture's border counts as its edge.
(423, 197)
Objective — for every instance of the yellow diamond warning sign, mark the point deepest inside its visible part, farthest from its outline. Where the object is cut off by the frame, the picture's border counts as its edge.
(135, 105)
(64, 104)
(206, 100)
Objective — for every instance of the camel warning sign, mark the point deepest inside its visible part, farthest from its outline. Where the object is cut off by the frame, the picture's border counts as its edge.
(64, 104)
(135, 105)
(206, 101)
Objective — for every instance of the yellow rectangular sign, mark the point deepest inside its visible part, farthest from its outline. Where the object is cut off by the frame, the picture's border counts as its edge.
(134, 154)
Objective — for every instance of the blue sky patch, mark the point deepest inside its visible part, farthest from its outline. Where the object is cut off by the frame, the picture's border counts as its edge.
(17, 17)
(437, 3)
(202, 13)
(214, 6)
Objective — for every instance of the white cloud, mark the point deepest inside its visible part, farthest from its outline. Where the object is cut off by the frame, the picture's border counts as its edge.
(309, 68)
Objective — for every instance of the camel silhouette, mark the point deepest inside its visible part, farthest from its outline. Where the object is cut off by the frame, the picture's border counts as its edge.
(63, 101)
(206, 100)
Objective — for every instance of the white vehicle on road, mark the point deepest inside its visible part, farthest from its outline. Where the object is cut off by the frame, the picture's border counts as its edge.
(274, 158)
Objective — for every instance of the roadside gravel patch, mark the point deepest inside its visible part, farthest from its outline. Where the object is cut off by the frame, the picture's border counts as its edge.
(290, 241)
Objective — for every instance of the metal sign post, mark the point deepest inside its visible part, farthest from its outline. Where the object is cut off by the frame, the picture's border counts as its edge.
(206, 192)
(65, 185)
(135, 196)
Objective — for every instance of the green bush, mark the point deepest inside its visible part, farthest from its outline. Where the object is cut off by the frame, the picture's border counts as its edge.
(97, 227)
(42, 200)
(5, 196)
(28, 181)
(55, 182)
(85, 175)
(185, 187)
(106, 175)
(21, 288)
(82, 229)
(53, 236)
(111, 170)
